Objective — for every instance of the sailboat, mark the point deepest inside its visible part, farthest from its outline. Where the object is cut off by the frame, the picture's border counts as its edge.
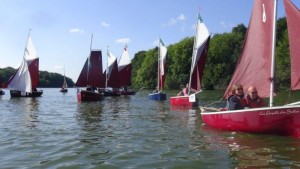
(64, 85)
(91, 78)
(161, 68)
(124, 68)
(256, 67)
(112, 84)
(24, 81)
(200, 50)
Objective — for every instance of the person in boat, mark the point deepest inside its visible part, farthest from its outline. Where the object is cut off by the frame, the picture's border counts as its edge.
(156, 90)
(252, 98)
(236, 100)
(185, 91)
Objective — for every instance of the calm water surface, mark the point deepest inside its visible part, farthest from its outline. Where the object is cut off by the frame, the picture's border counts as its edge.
(56, 131)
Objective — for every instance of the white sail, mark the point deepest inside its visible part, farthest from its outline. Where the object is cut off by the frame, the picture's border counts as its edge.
(201, 36)
(163, 56)
(22, 80)
(30, 53)
(124, 59)
(110, 60)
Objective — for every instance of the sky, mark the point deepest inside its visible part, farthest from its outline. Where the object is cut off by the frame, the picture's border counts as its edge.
(61, 30)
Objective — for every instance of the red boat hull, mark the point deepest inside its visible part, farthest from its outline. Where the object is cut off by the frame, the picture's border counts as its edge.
(83, 95)
(182, 101)
(283, 120)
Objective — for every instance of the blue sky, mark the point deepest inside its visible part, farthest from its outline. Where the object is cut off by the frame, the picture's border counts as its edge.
(61, 29)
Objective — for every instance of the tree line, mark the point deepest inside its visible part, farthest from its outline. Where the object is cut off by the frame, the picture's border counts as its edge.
(47, 79)
(224, 50)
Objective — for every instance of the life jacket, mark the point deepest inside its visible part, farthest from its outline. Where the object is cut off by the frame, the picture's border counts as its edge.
(185, 91)
(259, 102)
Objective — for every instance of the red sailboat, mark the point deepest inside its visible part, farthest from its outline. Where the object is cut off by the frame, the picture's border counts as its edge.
(124, 68)
(200, 51)
(91, 78)
(256, 67)
(24, 81)
(64, 85)
(161, 69)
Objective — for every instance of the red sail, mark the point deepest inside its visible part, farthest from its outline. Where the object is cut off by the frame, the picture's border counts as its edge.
(95, 69)
(254, 64)
(82, 79)
(113, 75)
(91, 73)
(125, 75)
(293, 24)
(197, 73)
(33, 67)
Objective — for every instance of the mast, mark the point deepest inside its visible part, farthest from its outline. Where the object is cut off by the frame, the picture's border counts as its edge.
(89, 62)
(158, 63)
(106, 68)
(273, 54)
(193, 55)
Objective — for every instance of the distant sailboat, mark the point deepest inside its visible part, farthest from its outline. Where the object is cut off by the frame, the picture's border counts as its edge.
(91, 77)
(256, 66)
(200, 51)
(112, 84)
(25, 80)
(124, 68)
(64, 85)
(161, 69)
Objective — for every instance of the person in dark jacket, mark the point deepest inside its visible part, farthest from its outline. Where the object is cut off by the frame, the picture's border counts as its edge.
(236, 100)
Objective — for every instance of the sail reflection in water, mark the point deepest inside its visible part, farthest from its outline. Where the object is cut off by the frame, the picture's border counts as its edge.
(28, 108)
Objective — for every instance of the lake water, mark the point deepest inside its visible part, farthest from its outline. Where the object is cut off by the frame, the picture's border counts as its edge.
(57, 131)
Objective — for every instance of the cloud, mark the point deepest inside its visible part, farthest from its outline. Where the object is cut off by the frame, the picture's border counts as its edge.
(123, 40)
(172, 21)
(105, 24)
(227, 26)
(181, 17)
(58, 67)
(76, 30)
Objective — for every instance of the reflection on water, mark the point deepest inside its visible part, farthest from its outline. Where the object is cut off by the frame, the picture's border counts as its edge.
(57, 131)
(256, 151)
(27, 108)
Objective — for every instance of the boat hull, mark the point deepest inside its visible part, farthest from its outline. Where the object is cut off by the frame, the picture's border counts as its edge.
(84, 95)
(182, 101)
(284, 120)
(64, 90)
(16, 93)
(111, 93)
(157, 96)
(126, 93)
